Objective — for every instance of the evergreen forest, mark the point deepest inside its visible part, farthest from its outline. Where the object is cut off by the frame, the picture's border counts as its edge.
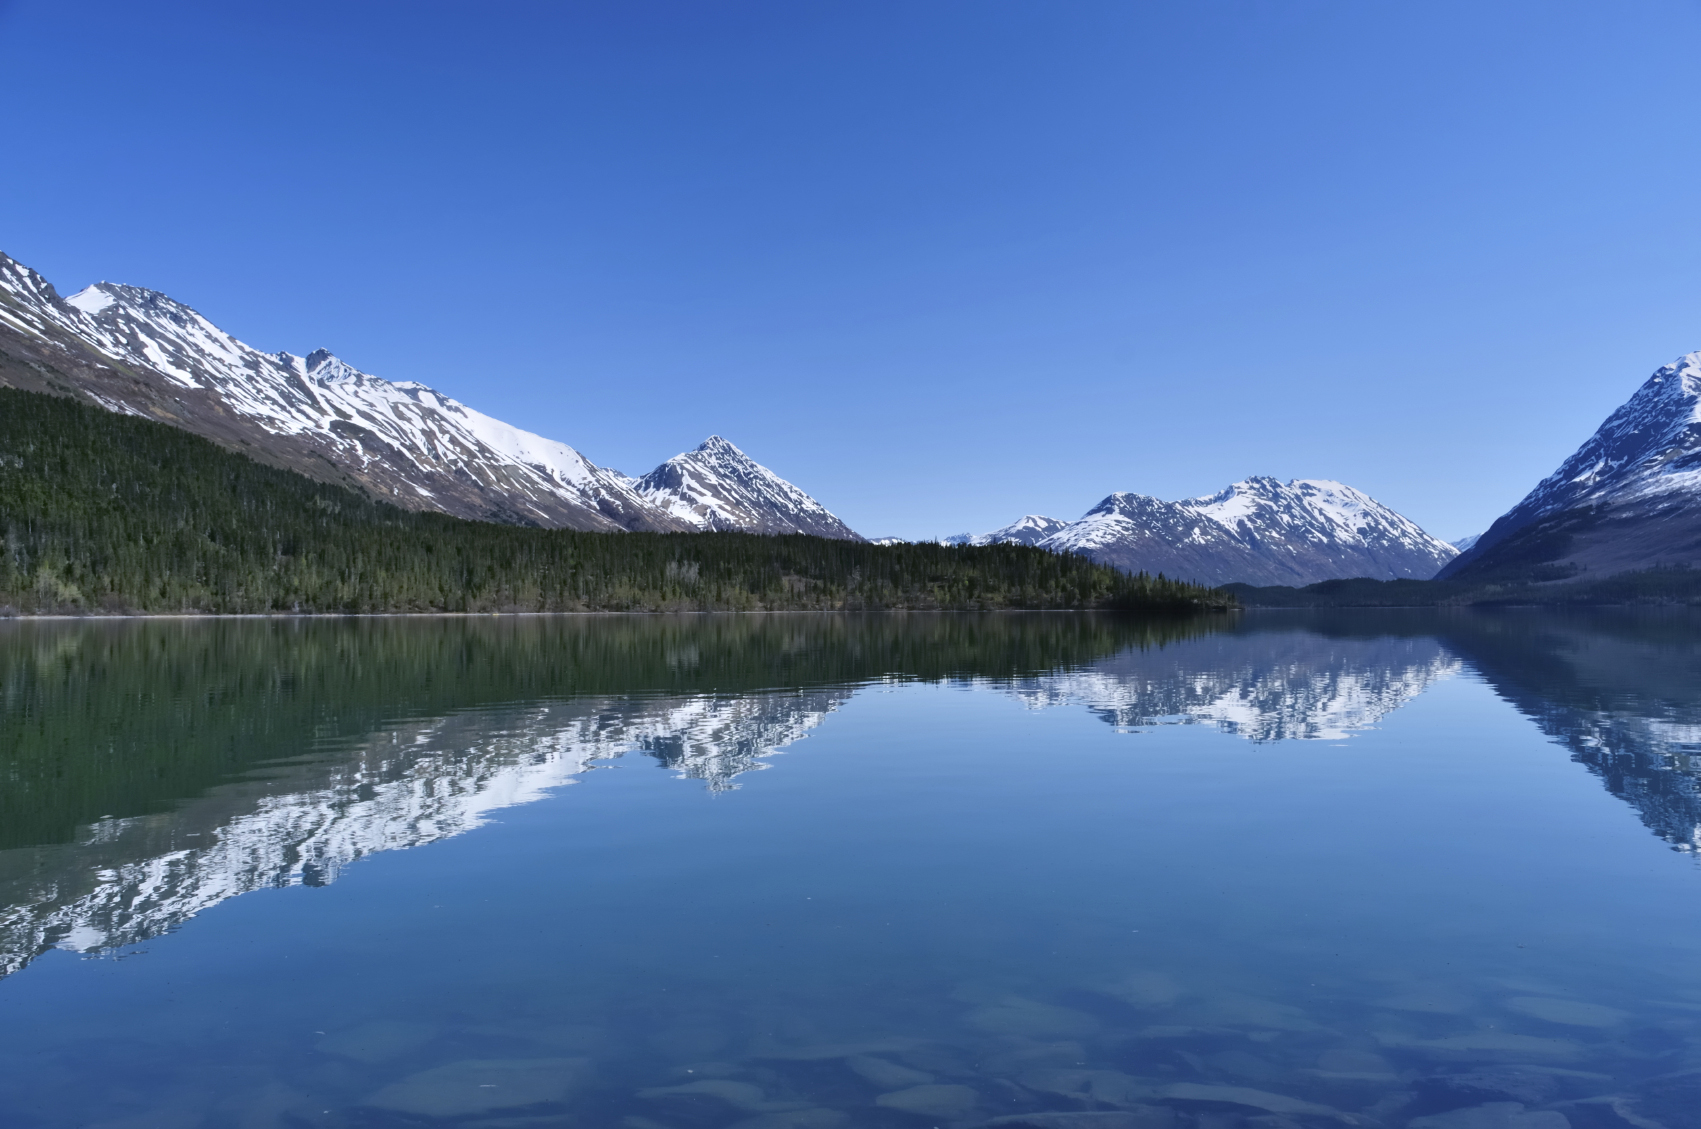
(103, 512)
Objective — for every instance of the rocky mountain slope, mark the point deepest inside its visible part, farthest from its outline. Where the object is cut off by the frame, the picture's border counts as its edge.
(1260, 531)
(140, 352)
(1628, 499)
(717, 486)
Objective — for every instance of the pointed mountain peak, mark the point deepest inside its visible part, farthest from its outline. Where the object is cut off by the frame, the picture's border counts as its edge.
(718, 486)
(715, 445)
(326, 367)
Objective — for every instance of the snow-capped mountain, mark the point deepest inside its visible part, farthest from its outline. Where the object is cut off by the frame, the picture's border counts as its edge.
(138, 351)
(1029, 530)
(717, 486)
(1464, 543)
(1259, 531)
(1629, 498)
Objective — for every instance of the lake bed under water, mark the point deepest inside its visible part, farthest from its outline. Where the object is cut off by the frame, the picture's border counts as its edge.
(1273, 870)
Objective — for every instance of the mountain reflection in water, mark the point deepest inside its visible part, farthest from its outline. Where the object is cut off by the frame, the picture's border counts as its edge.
(155, 769)
(1053, 871)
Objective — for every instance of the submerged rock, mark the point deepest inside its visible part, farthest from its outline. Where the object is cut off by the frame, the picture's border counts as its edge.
(1145, 1117)
(1672, 1099)
(1350, 1064)
(1246, 1096)
(379, 1040)
(1112, 1087)
(1571, 1013)
(1433, 1001)
(1483, 1044)
(1493, 1115)
(460, 1089)
(739, 1095)
(689, 1042)
(816, 1118)
(933, 1100)
(1017, 1016)
(1532, 1087)
(1250, 1011)
(1143, 989)
(1063, 1054)
(1242, 1064)
(887, 1075)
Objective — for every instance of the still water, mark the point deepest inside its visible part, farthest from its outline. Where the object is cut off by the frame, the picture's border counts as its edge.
(1270, 871)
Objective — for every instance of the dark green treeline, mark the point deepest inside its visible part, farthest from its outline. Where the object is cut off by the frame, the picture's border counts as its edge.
(127, 717)
(105, 512)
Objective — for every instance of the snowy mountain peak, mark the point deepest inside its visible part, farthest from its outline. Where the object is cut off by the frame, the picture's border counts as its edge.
(1625, 497)
(140, 351)
(1029, 529)
(1257, 531)
(92, 299)
(327, 368)
(717, 486)
(715, 445)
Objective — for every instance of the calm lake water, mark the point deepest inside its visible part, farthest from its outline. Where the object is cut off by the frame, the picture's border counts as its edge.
(1434, 870)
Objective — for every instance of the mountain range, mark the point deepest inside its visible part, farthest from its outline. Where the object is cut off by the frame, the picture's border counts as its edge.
(140, 352)
(1257, 531)
(1628, 499)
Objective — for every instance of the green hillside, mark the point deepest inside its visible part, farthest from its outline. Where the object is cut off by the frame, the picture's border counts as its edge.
(106, 512)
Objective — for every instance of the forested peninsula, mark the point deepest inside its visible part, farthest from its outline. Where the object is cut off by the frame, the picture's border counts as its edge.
(109, 513)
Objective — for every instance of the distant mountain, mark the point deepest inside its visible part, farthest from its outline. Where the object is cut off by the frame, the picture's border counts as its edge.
(1029, 530)
(142, 353)
(717, 486)
(1465, 543)
(1260, 531)
(1628, 499)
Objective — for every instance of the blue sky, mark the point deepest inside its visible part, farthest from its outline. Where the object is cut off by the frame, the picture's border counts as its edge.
(940, 263)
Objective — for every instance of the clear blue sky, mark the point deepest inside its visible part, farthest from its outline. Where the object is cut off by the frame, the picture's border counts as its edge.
(940, 262)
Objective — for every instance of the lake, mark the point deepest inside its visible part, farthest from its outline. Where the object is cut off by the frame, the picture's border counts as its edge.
(1270, 870)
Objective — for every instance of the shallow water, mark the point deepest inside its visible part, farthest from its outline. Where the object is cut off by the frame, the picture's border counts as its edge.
(1404, 869)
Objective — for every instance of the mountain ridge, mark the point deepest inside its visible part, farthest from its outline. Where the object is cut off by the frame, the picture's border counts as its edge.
(1628, 499)
(1257, 531)
(141, 352)
(716, 486)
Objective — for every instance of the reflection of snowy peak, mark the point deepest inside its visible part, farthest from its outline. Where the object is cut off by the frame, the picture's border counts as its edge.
(717, 486)
(1283, 687)
(1650, 762)
(1259, 531)
(131, 879)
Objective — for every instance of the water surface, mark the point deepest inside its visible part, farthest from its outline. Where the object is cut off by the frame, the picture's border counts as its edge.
(808, 872)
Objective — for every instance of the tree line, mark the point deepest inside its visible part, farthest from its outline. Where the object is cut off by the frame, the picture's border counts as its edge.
(106, 512)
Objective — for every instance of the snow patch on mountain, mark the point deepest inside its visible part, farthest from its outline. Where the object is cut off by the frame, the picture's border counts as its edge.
(1629, 497)
(1257, 531)
(1028, 530)
(716, 486)
(400, 440)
